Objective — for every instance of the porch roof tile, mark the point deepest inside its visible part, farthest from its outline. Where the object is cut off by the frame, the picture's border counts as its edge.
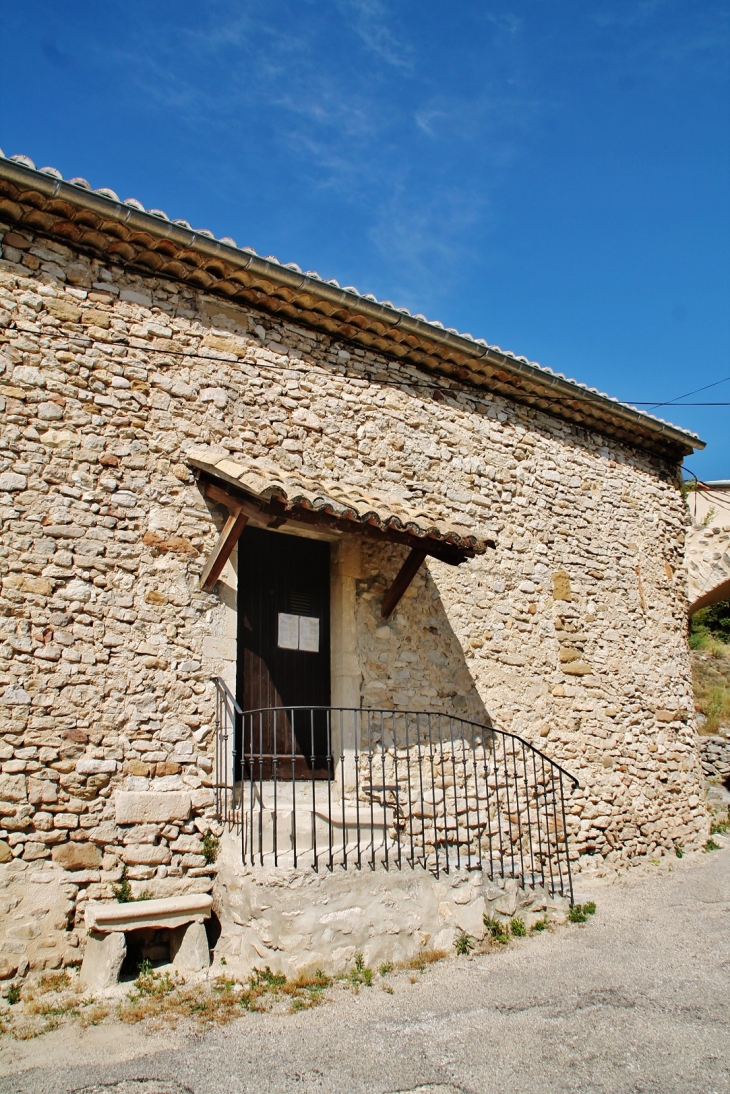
(264, 481)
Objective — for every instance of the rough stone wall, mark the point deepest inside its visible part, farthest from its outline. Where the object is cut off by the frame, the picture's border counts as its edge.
(296, 921)
(715, 754)
(571, 632)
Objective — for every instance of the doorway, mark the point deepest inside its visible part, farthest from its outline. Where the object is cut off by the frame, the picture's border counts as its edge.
(284, 655)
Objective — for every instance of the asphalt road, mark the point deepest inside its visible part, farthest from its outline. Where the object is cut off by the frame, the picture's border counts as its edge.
(638, 1000)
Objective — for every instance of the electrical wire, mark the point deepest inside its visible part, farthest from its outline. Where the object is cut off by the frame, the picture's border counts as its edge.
(687, 394)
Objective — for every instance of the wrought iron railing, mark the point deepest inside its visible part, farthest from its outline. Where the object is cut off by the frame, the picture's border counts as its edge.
(338, 787)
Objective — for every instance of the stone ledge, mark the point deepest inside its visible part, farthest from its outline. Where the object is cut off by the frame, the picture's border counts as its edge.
(174, 911)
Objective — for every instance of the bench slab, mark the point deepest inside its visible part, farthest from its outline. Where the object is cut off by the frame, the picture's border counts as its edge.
(172, 911)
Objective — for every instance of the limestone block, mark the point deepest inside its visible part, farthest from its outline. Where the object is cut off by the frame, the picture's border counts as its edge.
(142, 807)
(77, 856)
(223, 648)
(12, 788)
(103, 959)
(9, 480)
(8, 968)
(89, 766)
(6, 853)
(146, 854)
(189, 947)
(506, 904)
(561, 586)
(577, 668)
(470, 917)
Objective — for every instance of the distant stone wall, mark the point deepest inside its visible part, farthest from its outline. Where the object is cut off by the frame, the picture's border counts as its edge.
(715, 755)
(571, 633)
(707, 558)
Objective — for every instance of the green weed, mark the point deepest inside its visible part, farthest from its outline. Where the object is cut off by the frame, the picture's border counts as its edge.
(211, 847)
(517, 927)
(463, 943)
(496, 929)
(541, 924)
(711, 845)
(361, 974)
(579, 912)
(123, 891)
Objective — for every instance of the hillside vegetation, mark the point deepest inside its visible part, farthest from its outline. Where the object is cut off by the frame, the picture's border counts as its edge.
(709, 640)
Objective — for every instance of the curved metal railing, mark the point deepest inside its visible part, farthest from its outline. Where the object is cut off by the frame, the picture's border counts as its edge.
(345, 787)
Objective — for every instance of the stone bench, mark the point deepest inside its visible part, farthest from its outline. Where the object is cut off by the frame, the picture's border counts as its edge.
(107, 924)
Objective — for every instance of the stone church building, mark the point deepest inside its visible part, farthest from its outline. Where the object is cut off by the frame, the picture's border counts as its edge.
(229, 489)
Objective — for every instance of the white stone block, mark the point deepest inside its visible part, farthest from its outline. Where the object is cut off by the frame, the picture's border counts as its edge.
(140, 807)
(103, 959)
(189, 947)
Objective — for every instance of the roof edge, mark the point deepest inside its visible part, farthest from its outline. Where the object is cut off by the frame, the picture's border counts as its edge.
(132, 216)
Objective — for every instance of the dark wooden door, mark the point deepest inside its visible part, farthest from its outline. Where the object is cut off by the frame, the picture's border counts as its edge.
(284, 653)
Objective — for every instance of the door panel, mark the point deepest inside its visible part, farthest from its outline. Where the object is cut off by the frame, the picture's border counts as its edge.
(284, 652)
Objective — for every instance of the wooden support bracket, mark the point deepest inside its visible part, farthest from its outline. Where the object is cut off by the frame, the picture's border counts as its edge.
(220, 554)
(407, 572)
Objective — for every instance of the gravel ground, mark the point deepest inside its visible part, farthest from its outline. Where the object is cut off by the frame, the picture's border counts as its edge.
(637, 1000)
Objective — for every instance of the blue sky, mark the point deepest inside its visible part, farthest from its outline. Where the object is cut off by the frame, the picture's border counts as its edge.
(551, 175)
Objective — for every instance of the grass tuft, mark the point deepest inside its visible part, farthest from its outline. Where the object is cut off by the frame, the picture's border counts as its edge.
(579, 912)
(463, 943)
(496, 929)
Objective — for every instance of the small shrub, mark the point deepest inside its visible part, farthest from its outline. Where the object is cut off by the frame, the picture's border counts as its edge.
(13, 995)
(577, 914)
(211, 847)
(463, 944)
(720, 828)
(590, 907)
(711, 845)
(123, 891)
(385, 968)
(678, 850)
(541, 924)
(495, 929)
(517, 927)
(361, 974)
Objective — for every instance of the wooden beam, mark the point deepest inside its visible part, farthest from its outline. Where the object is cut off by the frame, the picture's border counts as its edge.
(227, 540)
(407, 572)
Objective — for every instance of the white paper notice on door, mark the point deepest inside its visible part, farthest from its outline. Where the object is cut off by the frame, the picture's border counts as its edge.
(298, 632)
(309, 633)
(288, 631)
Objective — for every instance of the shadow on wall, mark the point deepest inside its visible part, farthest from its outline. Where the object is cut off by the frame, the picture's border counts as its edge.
(414, 660)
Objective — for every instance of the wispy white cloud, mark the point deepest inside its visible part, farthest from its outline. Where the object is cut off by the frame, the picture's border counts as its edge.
(338, 90)
(373, 23)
